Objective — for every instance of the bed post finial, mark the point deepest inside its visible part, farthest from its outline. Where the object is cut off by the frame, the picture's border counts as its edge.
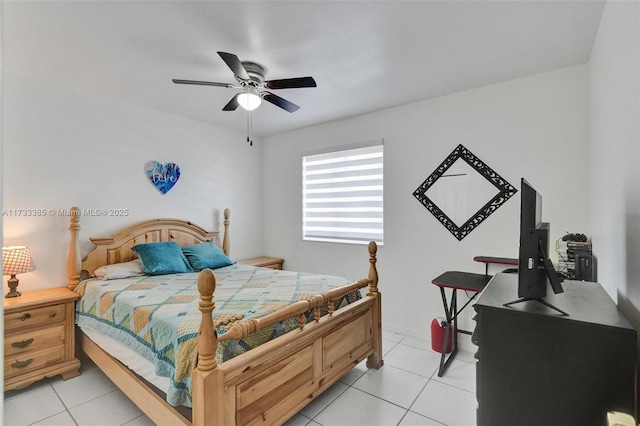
(226, 244)
(74, 262)
(207, 338)
(373, 271)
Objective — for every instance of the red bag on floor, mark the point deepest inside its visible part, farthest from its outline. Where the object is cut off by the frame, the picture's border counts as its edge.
(437, 335)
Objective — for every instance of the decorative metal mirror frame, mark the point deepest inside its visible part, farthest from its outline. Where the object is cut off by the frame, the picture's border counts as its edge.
(505, 191)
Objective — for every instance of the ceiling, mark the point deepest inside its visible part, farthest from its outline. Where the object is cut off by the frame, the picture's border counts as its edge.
(364, 55)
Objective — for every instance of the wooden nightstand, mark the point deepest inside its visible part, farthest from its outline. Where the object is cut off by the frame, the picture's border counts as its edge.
(39, 339)
(264, 262)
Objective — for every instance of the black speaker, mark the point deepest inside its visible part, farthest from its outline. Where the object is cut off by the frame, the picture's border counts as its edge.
(584, 266)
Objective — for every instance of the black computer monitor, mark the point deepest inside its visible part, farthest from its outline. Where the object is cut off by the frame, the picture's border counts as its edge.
(535, 268)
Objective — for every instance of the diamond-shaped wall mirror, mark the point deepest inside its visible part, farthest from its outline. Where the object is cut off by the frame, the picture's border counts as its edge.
(463, 191)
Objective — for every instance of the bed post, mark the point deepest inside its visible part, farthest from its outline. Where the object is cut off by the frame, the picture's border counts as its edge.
(74, 262)
(207, 380)
(375, 359)
(226, 244)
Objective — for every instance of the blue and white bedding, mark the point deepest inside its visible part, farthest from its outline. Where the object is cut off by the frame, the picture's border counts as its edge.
(158, 316)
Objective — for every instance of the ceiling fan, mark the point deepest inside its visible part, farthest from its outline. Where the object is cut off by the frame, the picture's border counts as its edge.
(250, 78)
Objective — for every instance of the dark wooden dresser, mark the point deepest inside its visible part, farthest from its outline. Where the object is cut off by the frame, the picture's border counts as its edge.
(537, 367)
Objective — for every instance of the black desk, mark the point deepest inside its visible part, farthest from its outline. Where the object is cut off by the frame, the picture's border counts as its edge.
(495, 260)
(454, 280)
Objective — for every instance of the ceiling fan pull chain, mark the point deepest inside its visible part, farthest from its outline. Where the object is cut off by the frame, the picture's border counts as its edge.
(249, 128)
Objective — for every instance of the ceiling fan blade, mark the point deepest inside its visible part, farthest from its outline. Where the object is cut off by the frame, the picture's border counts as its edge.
(280, 102)
(234, 63)
(202, 83)
(232, 104)
(290, 83)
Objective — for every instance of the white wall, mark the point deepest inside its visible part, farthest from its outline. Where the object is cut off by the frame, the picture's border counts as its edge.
(66, 148)
(614, 87)
(534, 127)
(1, 222)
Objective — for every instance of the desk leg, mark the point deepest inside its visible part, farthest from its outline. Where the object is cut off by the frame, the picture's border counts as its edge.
(451, 326)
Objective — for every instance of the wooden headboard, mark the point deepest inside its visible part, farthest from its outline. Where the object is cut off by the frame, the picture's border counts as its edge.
(117, 248)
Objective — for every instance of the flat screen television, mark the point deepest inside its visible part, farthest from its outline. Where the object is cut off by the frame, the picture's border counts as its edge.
(535, 269)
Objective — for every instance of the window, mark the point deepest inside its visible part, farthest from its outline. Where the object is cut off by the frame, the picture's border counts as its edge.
(342, 194)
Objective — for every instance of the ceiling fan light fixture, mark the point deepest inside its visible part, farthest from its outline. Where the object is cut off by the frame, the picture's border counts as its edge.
(249, 100)
(250, 77)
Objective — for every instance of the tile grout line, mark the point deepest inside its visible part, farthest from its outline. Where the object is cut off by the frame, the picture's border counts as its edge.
(66, 408)
(414, 401)
(359, 390)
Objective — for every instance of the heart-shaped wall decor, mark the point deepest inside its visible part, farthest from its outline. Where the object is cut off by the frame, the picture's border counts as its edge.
(162, 176)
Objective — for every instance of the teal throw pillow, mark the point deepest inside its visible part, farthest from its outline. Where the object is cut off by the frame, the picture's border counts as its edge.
(206, 255)
(162, 258)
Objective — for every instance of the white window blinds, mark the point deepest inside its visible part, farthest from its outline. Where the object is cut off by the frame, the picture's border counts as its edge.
(343, 195)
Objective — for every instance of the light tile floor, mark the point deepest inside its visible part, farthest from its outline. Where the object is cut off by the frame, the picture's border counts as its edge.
(406, 391)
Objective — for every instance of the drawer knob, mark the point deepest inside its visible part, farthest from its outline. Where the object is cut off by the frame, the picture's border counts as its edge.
(52, 314)
(25, 317)
(22, 364)
(22, 343)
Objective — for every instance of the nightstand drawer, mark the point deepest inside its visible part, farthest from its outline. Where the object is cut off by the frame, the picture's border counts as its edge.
(32, 317)
(20, 364)
(39, 338)
(34, 340)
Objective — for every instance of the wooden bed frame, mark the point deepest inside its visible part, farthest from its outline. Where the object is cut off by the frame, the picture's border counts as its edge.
(266, 385)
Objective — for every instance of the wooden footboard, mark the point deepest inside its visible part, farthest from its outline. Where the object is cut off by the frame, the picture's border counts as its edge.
(266, 385)
(272, 382)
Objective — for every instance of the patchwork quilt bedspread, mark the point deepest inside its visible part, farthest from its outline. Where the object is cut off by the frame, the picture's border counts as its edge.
(158, 316)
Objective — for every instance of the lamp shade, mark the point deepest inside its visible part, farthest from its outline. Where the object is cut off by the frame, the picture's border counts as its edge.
(249, 100)
(16, 260)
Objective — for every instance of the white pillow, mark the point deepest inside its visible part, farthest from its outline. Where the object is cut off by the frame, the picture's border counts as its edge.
(119, 270)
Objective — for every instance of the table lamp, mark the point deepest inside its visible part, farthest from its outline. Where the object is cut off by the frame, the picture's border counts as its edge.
(16, 260)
